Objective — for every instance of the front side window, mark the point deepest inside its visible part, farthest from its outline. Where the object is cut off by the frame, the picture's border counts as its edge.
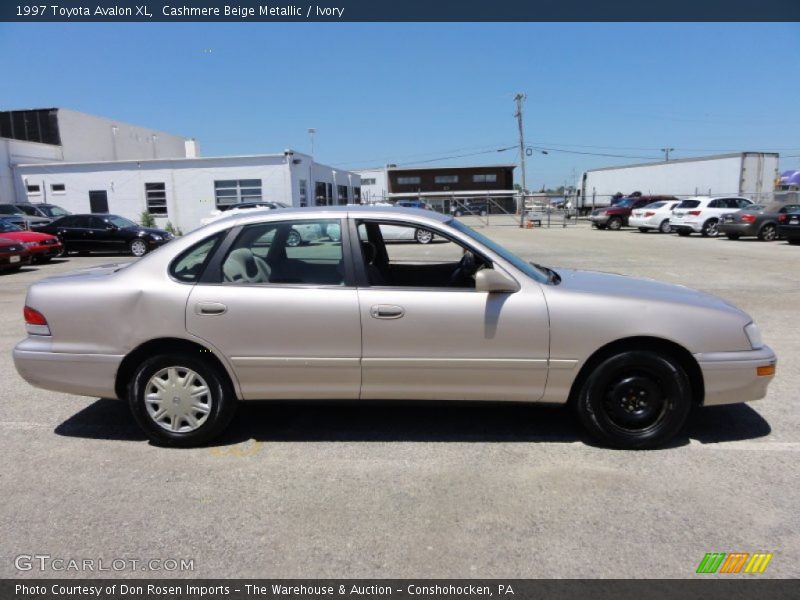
(287, 252)
(156, 197)
(234, 191)
(405, 255)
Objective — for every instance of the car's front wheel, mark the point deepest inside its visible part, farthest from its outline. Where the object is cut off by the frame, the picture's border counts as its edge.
(423, 236)
(179, 400)
(665, 227)
(615, 223)
(636, 399)
(138, 247)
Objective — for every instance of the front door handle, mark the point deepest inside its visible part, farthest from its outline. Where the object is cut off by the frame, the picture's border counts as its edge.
(210, 308)
(386, 311)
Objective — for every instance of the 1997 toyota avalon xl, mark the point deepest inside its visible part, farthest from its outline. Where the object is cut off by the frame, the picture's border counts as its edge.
(233, 312)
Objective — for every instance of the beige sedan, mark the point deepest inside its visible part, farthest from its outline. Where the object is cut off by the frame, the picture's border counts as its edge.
(234, 312)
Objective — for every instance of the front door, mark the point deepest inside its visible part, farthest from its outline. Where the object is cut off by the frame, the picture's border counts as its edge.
(427, 334)
(284, 312)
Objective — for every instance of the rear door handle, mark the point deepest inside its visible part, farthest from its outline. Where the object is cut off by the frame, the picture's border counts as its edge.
(210, 308)
(386, 311)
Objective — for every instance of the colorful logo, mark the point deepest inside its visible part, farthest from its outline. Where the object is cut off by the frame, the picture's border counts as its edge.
(734, 562)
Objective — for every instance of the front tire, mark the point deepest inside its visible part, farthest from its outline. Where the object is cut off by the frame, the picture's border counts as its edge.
(423, 236)
(179, 400)
(635, 400)
(138, 248)
(294, 239)
(615, 224)
(665, 227)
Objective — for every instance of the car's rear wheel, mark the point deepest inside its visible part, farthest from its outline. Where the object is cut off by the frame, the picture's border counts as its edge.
(768, 233)
(138, 247)
(615, 223)
(423, 236)
(710, 228)
(665, 227)
(179, 400)
(636, 399)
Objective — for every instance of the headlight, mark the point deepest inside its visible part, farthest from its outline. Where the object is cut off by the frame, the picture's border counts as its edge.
(156, 238)
(754, 335)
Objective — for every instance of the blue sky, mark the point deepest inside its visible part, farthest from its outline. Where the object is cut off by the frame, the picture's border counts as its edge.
(406, 93)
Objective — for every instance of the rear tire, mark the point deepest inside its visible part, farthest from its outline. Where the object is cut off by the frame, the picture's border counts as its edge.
(169, 411)
(423, 236)
(768, 233)
(710, 228)
(635, 400)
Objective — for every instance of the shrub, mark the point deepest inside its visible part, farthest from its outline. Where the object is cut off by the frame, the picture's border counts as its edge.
(147, 219)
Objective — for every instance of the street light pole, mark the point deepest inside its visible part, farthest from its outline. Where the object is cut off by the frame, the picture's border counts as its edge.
(666, 152)
(519, 99)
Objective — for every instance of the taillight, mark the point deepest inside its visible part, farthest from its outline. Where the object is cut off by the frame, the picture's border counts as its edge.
(695, 213)
(35, 323)
(649, 213)
(783, 218)
(748, 218)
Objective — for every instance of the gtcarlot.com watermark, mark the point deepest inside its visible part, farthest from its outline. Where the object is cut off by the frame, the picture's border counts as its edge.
(46, 562)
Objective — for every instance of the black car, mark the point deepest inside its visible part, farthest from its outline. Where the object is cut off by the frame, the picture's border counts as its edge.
(789, 227)
(470, 207)
(105, 233)
(48, 211)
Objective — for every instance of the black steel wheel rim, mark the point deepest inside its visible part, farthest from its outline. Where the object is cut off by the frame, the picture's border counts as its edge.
(635, 401)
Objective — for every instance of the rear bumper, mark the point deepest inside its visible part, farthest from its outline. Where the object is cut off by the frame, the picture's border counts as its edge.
(731, 377)
(686, 225)
(79, 374)
(648, 222)
(738, 228)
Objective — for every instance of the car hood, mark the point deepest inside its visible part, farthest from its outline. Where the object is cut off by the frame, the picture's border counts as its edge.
(624, 286)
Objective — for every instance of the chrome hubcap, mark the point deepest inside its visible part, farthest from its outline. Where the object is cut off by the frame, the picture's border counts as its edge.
(138, 248)
(178, 399)
(769, 233)
(423, 237)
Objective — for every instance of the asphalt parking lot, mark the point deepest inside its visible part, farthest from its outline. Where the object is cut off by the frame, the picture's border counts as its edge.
(421, 491)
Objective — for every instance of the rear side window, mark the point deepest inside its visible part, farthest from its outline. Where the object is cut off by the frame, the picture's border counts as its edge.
(189, 266)
(689, 204)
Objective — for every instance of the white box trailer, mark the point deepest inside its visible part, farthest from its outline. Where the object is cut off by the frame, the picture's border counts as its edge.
(748, 174)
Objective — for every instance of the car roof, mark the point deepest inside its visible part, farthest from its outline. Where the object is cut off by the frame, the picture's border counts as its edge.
(356, 211)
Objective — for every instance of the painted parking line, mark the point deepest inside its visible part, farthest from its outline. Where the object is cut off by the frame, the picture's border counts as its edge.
(749, 446)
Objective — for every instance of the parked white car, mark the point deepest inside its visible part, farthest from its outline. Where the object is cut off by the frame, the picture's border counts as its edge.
(217, 214)
(702, 214)
(655, 215)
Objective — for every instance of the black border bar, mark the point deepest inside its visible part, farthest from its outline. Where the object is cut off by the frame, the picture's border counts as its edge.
(402, 11)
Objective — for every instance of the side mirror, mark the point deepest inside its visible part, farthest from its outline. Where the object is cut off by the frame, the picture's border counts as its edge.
(489, 280)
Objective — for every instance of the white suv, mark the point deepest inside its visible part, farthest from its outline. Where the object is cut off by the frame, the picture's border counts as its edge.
(701, 214)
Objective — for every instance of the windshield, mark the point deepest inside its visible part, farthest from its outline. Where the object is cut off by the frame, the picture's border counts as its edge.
(121, 221)
(526, 267)
(626, 203)
(7, 209)
(6, 227)
(54, 211)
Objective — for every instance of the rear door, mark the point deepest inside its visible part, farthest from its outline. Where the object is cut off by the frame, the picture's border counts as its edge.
(286, 317)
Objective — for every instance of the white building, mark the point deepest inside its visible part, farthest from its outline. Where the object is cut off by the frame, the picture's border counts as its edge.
(374, 185)
(184, 190)
(93, 164)
(61, 135)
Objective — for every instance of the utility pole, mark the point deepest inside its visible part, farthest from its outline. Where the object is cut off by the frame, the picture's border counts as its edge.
(666, 152)
(519, 99)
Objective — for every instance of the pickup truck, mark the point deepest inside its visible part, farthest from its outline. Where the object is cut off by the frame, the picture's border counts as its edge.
(616, 216)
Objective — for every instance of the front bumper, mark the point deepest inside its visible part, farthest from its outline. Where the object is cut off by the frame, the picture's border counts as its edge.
(70, 373)
(731, 377)
(599, 219)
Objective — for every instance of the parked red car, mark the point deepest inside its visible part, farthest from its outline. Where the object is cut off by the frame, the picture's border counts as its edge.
(41, 246)
(616, 216)
(13, 255)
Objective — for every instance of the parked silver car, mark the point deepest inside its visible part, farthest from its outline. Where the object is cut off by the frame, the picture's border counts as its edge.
(234, 312)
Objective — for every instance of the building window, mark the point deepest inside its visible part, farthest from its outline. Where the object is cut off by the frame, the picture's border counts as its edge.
(323, 193)
(233, 191)
(446, 179)
(303, 192)
(341, 194)
(370, 181)
(357, 195)
(58, 188)
(408, 181)
(485, 178)
(156, 197)
(33, 190)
